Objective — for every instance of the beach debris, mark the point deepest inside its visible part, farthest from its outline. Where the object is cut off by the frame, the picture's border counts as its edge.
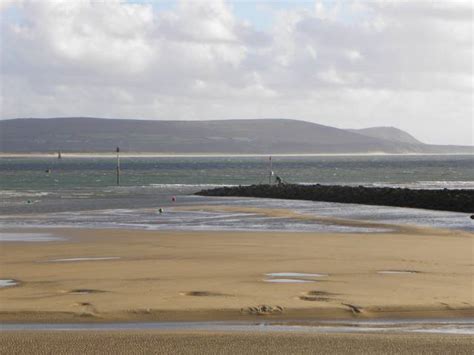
(173, 199)
(353, 308)
(261, 310)
(160, 211)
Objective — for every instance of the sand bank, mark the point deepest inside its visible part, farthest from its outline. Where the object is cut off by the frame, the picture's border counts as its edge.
(155, 342)
(151, 275)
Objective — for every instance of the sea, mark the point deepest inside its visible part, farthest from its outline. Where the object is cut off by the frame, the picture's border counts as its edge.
(82, 191)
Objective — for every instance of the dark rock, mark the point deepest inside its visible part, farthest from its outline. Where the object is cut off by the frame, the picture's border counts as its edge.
(444, 200)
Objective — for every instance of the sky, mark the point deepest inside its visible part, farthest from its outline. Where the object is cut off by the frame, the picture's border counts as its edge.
(347, 64)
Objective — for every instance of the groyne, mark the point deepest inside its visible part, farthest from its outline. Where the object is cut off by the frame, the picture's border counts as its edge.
(444, 200)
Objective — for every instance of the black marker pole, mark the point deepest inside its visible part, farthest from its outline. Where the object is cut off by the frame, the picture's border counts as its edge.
(118, 166)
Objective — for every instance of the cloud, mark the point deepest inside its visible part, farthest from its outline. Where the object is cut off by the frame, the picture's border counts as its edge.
(342, 63)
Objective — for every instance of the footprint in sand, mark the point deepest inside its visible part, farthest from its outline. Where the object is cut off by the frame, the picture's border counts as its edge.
(141, 311)
(262, 310)
(87, 309)
(314, 298)
(84, 291)
(317, 296)
(353, 308)
(204, 294)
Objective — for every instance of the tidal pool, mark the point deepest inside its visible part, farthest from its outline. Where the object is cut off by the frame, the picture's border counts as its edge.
(290, 281)
(439, 326)
(65, 260)
(28, 237)
(388, 272)
(294, 274)
(7, 283)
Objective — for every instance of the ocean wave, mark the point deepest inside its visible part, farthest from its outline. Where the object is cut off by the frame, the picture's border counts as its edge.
(428, 185)
(27, 237)
(16, 193)
(187, 185)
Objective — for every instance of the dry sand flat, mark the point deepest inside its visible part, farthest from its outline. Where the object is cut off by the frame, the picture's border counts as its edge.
(150, 275)
(155, 342)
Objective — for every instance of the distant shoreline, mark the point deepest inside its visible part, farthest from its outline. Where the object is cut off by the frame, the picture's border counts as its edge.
(213, 155)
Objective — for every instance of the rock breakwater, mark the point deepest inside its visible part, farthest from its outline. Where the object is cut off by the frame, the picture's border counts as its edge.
(444, 200)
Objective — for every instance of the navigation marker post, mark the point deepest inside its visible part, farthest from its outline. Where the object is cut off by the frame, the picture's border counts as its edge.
(270, 173)
(118, 166)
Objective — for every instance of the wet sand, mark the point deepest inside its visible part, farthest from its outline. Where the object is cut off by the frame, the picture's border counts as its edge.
(159, 275)
(155, 342)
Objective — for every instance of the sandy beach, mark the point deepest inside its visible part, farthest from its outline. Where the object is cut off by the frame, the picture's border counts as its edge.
(110, 276)
(135, 275)
(153, 342)
(236, 177)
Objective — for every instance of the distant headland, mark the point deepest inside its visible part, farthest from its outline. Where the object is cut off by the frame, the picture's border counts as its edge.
(242, 136)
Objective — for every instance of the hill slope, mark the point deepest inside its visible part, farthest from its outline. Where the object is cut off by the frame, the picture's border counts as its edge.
(388, 133)
(85, 134)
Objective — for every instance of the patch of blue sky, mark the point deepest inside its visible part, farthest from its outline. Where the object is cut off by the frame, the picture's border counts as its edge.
(349, 11)
(12, 15)
(258, 13)
(261, 14)
(158, 5)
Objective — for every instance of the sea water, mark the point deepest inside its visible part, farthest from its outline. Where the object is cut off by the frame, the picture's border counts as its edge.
(81, 192)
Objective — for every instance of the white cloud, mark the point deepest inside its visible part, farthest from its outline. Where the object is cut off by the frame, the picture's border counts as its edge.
(345, 63)
(5, 4)
(353, 55)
